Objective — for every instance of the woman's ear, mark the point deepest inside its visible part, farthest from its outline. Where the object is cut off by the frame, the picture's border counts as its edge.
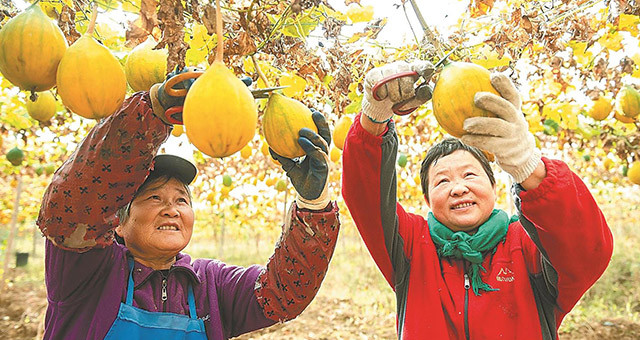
(426, 201)
(118, 233)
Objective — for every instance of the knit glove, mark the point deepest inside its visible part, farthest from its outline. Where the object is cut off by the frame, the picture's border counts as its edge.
(310, 176)
(400, 91)
(506, 136)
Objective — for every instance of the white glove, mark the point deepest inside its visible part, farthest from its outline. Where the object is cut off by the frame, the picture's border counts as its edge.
(507, 136)
(398, 91)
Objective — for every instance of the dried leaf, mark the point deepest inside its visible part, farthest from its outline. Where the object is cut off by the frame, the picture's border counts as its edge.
(135, 34)
(242, 45)
(209, 18)
(148, 16)
(67, 24)
(171, 21)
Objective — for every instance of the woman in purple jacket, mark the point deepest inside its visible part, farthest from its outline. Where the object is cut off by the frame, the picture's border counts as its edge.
(146, 288)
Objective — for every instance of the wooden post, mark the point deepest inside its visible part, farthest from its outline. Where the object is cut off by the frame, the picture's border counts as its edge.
(12, 233)
(284, 209)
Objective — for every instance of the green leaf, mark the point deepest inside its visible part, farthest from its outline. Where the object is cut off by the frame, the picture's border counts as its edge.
(19, 119)
(354, 107)
(300, 26)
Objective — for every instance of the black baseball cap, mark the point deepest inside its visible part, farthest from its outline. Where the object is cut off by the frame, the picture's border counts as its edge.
(172, 165)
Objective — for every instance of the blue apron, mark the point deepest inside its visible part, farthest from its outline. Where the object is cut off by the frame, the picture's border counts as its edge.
(136, 323)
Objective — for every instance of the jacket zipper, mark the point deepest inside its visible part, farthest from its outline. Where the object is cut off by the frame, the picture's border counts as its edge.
(164, 293)
(467, 285)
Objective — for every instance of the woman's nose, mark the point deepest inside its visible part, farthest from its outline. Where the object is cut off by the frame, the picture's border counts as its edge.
(459, 188)
(171, 210)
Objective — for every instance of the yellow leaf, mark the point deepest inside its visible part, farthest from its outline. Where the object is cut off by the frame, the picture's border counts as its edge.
(131, 6)
(579, 48)
(51, 9)
(407, 131)
(488, 58)
(199, 38)
(627, 22)
(5, 84)
(612, 41)
(334, 14)
(69, 3)
(490, 63)
(355, 38)
(552, 111)
(555, 88)
(109, 37)
(296, 85)
(247, 65)
(358, 13)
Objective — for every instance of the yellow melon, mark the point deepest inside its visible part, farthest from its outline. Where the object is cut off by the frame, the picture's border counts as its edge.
(283, 118)
(220, 114)
(31, 47)
(146, 66)
(43, 108)
(246, 151)
(91, 82)
(340, 131)
(334, 154)
(600, 108)
(634, 172)
(628, 101)
(453, 95)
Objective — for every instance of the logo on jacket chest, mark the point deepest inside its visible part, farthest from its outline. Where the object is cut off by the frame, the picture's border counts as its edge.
(505, 275)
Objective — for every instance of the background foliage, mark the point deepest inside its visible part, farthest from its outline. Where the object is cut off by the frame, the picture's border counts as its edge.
(563, 54)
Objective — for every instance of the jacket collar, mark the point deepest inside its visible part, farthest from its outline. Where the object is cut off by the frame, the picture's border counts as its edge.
(142, 273)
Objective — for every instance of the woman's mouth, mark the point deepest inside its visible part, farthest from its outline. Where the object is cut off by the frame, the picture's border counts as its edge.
(167, 227)
(462, 205)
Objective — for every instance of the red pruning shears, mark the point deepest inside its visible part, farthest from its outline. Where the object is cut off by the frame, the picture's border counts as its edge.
(168, 88)
(397, 107)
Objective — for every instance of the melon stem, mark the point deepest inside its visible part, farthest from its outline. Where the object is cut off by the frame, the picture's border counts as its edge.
(94, 16)
(34, 4)
(220, 46)
(259, 71)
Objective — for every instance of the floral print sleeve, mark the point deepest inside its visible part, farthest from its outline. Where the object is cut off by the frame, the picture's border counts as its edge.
(78, 209)
(296, 269)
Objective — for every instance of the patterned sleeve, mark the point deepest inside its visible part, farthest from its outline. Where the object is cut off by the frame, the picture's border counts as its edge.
(296, 269)
(79, 206)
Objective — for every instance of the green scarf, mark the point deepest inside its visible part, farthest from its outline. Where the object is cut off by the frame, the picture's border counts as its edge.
(461, 245)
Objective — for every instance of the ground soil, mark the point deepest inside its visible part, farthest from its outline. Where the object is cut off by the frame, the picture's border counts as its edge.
(22, 309)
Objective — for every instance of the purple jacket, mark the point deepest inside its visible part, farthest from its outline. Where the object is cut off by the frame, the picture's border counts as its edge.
(86, 272)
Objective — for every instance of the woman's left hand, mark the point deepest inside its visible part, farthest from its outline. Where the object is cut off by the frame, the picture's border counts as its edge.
(506, 136)
(310, 177)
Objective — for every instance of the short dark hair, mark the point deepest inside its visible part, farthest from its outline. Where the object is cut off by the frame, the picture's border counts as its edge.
(445, 148)
(161, 178)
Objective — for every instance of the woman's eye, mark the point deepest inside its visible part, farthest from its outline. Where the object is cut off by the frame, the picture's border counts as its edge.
(469, 174)
(183, 200)
(154, 197)
(442, 180)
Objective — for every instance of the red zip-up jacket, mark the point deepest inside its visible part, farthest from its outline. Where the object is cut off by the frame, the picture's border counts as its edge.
(559, 247)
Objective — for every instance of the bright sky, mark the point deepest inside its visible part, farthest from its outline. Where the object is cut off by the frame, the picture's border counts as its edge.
(439, 14)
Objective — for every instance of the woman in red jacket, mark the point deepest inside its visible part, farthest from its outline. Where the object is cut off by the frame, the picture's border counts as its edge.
(468, 270)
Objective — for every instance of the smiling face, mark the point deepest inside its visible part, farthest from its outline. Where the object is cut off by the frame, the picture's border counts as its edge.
(461, 195)
(160, 221)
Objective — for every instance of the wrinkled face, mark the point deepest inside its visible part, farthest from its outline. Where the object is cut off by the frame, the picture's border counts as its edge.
(160, 221)
(460, 194)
